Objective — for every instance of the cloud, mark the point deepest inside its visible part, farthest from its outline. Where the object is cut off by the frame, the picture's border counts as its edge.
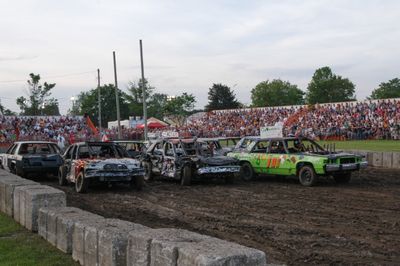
(18, 58)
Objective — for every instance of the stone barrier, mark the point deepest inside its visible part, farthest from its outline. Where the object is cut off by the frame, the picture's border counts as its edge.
(32, 198)
(390, 160)
(181, 247)
(7, 188)
(95, 240)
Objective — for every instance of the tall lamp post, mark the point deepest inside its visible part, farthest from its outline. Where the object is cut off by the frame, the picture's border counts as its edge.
(143, 92)
(73, 105)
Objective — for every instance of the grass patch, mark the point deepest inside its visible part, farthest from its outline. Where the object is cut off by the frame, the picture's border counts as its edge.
(19, 246)
(367, 145)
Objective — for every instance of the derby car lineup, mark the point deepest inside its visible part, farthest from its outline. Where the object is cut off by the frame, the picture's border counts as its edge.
(28, 157)
(301, 157)
(87, 163)
(187, 159)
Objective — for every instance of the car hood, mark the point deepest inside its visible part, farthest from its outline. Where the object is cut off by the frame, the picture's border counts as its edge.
(129, 162)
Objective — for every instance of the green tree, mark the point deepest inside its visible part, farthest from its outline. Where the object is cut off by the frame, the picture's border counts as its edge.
(156, 105)
(390, 89)
(5, 111)
(87, 103)
(221, 97)
(326, 87)
(135, 96)
(38, 102)
(276, 93)
(179, 107)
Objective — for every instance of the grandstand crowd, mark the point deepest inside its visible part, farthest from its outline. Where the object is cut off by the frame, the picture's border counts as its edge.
(362, 120)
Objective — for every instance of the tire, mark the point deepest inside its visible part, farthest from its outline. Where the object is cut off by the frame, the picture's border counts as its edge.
(62, 180)
(138, 182)
(342, 178)
(148, 173)
(186, 175)
(81, 183)
(230, 179)
(246, 171)
(307, 176)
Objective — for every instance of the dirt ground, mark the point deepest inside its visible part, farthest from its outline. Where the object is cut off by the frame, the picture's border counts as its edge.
(356, 223)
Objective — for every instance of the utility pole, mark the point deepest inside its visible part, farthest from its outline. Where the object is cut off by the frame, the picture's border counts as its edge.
(143, 92)
(98, 87)
(116, 98)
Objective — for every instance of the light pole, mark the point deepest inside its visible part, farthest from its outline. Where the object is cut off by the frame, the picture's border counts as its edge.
(73, 105)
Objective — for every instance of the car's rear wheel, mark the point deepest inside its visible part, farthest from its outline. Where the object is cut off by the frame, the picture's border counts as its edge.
(148, 174)
(81, 183)
(62, 180)
(186, 176)
(307, 176)
(246, 171)
(342, 178)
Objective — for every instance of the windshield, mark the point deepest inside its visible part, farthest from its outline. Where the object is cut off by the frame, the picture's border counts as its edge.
(103, 151)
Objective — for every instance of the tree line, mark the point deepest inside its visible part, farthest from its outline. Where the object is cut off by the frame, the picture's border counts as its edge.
(325, 86)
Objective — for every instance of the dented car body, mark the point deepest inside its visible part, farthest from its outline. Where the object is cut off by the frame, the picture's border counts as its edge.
(187, 159)
(301, 157)
(88, 163)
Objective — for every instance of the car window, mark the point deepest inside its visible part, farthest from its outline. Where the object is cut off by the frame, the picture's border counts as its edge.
(11, 150)
(169, 150)
(158, 149)
(68, 152)
(261, 146)
(83, 152)
(277, 147)
(295, 146)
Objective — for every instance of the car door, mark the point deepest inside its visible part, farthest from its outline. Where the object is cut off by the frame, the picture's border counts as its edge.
(156, 157)
(168, 163)
(6, 158)
(259, 156)
(277, 158)
(68, 160)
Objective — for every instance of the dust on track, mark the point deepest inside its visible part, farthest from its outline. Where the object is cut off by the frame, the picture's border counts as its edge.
(356, 223)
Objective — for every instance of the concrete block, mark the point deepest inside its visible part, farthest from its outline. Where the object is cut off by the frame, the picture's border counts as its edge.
(370, 159)
(113, 241)
(7, 187)
(387, 159)
(396, 160)
(377, 159)
(158, 246)
(18, 203)
(217, 252)
(65, 225)
(32, 199)
(81, 234)
(181, 247)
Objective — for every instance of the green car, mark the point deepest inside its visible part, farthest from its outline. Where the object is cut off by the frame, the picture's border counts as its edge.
(290, 156)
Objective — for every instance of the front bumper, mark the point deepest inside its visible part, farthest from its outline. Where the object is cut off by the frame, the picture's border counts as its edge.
(123, 176)
(224, 169)
(345, 167)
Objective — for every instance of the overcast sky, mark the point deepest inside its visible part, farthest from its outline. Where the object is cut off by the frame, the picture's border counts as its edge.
(189, 45)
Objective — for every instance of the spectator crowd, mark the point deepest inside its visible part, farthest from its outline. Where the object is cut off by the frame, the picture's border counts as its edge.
(379, 119)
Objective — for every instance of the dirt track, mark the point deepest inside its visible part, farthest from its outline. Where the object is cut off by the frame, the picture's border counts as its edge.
(357, 223)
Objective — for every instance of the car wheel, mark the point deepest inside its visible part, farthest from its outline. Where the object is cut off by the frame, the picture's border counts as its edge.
(138, 182)
(81, 183)
(307, 176)
(342, 178)
(229, 179)
(62, 180)
(246, 171)
(148, 174)
(186, 176)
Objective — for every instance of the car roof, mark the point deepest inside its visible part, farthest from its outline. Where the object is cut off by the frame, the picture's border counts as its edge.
(273, 138)
(34, 142)
(94, 143)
